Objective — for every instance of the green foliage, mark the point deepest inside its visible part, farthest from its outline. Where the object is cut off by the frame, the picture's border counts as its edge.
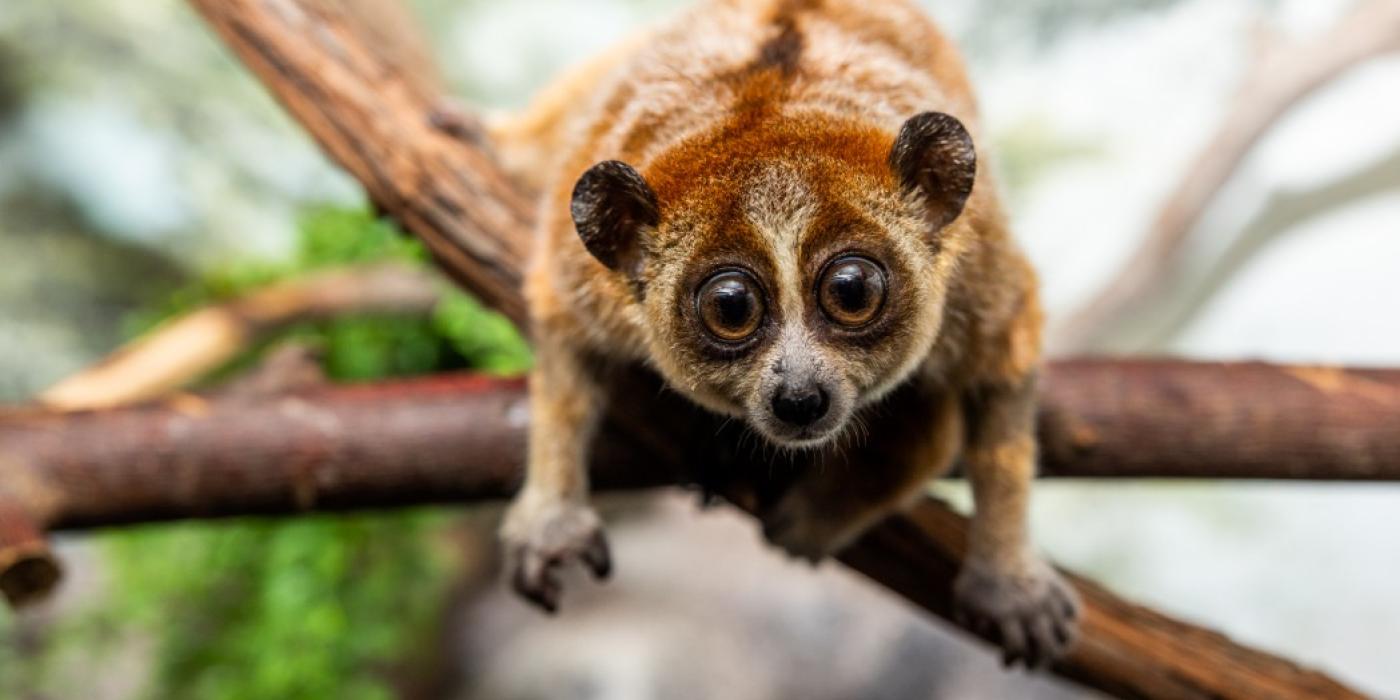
(315, 607)
(460, 333)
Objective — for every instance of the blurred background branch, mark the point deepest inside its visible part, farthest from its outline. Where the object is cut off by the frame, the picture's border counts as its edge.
(1283, 73)
(1186, 290)
(192, 346)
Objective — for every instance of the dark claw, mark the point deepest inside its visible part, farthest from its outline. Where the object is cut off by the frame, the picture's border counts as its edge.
(1062, 632)
(1013, 641)
(1033, 649)
(534, 590)
(534, 579)
(1045, 644)
(1069, 605)
(597, 556)
(545, 599)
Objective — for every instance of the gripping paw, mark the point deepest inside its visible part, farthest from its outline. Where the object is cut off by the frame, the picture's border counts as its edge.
(1032, 615)
(542, 536)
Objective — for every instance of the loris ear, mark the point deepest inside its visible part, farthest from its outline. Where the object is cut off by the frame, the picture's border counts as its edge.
(611, 205)
(933, 155)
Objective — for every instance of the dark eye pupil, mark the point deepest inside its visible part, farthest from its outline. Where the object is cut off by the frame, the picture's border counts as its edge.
(852, 291)
(733, 303)
(848, 286)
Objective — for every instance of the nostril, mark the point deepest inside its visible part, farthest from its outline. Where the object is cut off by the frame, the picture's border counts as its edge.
(802, 407)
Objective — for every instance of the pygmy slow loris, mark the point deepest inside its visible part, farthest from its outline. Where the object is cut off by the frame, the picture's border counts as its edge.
(776, 205)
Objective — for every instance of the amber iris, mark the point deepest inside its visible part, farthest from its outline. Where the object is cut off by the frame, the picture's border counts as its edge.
(730, 305)
(851, 291)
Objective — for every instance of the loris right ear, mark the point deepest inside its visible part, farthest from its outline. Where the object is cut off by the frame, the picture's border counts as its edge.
(611, 206)
(933, 155)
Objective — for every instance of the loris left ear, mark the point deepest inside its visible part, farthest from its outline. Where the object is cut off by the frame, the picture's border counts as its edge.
(933, 155)
(611, 205)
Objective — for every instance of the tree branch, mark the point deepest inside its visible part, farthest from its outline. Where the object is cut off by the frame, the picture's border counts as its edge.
(1167, 419)
(372, 120)
(191, 346)
(1161, 318)
(371, 115)
(407, 442)
(1282, 76)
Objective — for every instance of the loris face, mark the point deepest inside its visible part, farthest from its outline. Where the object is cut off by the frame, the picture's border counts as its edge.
(789, 283)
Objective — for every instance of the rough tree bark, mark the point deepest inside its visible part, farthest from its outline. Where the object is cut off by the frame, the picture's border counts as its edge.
(461, 438)
(377, 122)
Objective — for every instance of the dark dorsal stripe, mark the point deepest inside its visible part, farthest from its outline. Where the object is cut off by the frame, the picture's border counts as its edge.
(782, 51)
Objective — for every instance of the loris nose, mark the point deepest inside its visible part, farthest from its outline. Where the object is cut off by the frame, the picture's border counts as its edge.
(800, 406)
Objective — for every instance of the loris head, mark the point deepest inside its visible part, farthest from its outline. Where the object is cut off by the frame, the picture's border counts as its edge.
(789, 272)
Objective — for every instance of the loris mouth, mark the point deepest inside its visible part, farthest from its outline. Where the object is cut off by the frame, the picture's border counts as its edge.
(803, 438)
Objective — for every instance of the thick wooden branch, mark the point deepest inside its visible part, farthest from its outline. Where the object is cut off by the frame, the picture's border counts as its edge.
(461, 438)
(1166, 419)
(377, 122)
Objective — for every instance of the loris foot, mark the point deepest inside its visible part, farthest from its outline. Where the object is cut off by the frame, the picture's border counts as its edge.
(543, 535)
(1032, 615)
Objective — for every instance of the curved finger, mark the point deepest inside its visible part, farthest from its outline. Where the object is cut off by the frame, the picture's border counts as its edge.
(597, 556)
(1065, 631)
(534, 581)
(1013, 642)
(1067, 600)
(1047, 646)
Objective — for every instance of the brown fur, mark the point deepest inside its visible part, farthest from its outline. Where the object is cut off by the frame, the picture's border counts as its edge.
(764, 129)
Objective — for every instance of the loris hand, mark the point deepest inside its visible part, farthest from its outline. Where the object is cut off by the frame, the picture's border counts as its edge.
(1032, 614)
(541, 535)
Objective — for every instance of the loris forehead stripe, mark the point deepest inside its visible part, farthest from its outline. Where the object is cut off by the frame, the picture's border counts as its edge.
(779, 206)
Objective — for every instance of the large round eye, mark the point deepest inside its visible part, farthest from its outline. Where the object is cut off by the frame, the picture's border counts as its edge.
(730, 305)
(851, 291)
